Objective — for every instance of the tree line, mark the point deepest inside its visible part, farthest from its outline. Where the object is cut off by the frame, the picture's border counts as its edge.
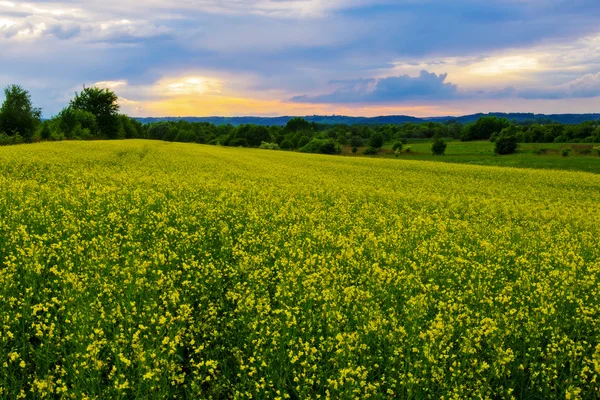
(94, 113)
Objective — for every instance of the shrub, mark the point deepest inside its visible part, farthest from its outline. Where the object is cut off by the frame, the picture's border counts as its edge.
(356, 141)
(187, 136)
(506, 144)
(597, 150)
(397, 146)
(342, 139)
(376, 140)
(237, 142)
(286, 145)
(45, 134)
(566, 152)
(408, 149)
(269, 146)
(322, 146)
(438, 148)
(6, 140)
(304, 140)
(354, 149)
(370, 151)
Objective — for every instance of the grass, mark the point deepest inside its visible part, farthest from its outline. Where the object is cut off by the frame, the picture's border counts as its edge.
(529, 155)
(140, 269)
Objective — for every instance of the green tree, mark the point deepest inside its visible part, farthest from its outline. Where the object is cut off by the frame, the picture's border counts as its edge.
(17, 114)
(304, 140)
(506, 144)
(158, 130)
(103, 104)
(356, 141)
(298, 124)
(376, 140)
(484, 128)
(256, 135)
(438, 148)
(397, 146)
(71, 121)
(46, 133)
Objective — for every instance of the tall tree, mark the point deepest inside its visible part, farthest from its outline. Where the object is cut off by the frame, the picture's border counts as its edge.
(17, 114)
(103, 104)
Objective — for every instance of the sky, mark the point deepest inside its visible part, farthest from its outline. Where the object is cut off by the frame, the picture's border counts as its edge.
(306, 57)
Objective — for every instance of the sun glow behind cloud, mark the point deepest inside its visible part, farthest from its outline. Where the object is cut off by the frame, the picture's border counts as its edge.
(505, 65)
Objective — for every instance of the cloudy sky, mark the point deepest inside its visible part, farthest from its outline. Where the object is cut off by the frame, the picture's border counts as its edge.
(303, 57)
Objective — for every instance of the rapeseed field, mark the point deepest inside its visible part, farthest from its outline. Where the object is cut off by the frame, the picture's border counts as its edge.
(140, 269)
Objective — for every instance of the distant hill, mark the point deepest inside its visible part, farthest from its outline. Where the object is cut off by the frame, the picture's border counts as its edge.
(390, 119)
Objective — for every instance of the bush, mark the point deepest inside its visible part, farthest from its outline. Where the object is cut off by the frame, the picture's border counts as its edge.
(356, 141)
(371, 151)
(45, 134)
(6, 140)
(269, 146)
(506, 145)
(354, 150)
(397, 146)
(566, 152)
(304, 140)
(597, 150)
(376, 140)
(286, 145)
(238, 142)
(342, 139)
(438, 148)
(187, 136)
(322, 146)
(408, 149)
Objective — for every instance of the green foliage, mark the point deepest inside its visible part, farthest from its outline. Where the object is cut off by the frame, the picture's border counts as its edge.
(286, 145)
(438, 148)
(269, 146)
(238, 142)
(597, 149)
(356, 141)
(6, 140)
(297, 125)
(322, 146)
(484, 128)
(505, 144)
(17, 114)
(354, 149)
(371, 151)
(257, 135)
(186, 136)
(342, 139)
(566, 152)
(71, 121)
(103, 105)
(376, 140)
(397, 146)
(158, 131)
(304, 140)
(46, 132)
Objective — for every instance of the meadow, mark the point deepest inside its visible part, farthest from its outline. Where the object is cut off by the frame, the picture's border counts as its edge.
(582, 157)
(142, 269)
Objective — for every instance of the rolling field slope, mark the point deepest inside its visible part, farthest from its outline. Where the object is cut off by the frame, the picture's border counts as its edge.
(137, 269)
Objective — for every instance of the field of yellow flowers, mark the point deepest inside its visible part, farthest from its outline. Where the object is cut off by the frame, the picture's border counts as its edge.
(140, 269)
